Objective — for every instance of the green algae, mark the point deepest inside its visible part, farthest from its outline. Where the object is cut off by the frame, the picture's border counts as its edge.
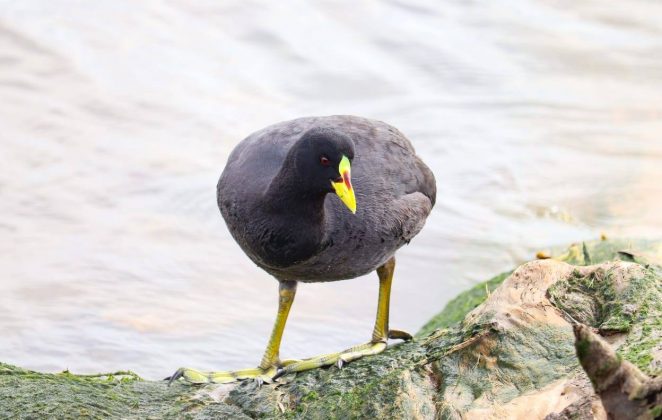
(582, 348)
(646, 335)
(26, 394)
(593, 300)
(503, 364)
(361, 389)
(635, 308)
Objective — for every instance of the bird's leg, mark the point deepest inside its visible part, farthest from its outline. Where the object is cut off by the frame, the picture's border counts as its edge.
(385, 274)
(286, 292)
(380, 333)
(270, 361)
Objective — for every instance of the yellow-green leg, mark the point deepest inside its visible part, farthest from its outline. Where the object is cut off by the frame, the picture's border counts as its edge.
(270, 361)
(380, 333)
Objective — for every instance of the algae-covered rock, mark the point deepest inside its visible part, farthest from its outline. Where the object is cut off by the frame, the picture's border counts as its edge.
(33, 395)
(624, 390)
(504, 349)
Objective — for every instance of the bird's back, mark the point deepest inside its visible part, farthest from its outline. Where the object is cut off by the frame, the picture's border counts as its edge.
(395, 192)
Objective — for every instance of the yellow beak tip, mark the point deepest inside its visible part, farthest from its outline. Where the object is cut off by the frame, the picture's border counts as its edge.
(344, 188)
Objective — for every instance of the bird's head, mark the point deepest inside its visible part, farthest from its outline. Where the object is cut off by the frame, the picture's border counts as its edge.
(323, 161)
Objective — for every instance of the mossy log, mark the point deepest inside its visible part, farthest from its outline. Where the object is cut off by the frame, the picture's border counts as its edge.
(504, 349)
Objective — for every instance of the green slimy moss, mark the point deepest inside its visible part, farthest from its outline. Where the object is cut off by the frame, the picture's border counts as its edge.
(635, 309)
(510, 362)
(582, 348)
(27, 394)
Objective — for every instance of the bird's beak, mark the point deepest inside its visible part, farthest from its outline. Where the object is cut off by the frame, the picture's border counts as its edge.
(344, 188)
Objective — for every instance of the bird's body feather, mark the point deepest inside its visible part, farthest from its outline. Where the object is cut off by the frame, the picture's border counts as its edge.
(395, 192)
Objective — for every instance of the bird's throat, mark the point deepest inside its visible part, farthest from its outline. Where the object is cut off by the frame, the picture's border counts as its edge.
(296, 227)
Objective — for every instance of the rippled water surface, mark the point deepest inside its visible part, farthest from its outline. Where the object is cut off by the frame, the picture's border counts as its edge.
(542, 121)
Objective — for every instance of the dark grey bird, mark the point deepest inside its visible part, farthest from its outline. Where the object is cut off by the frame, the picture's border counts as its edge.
(274, 197)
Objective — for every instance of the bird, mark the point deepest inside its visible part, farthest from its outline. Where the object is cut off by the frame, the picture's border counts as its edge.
(321, 199)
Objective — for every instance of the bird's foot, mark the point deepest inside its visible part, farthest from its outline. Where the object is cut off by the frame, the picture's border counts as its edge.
(284, 367)
(260, 375)
(341, 358)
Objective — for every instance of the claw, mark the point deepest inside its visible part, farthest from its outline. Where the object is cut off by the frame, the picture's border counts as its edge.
(399, 335)
(190, 375)
(279, 373)
(178, 374)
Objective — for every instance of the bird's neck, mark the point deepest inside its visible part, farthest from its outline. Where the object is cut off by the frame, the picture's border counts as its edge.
(289, 193)
(296, 220)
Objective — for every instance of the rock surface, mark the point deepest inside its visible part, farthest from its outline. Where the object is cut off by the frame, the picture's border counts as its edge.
(504, 349)
(624, 390)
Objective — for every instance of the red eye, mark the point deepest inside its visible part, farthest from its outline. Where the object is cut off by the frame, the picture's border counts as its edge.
(324, 161)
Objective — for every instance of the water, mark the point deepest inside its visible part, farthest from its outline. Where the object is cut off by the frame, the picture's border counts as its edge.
(541, 120)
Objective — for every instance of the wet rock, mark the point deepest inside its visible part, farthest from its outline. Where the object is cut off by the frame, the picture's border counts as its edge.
(504, 349)
(625, 391)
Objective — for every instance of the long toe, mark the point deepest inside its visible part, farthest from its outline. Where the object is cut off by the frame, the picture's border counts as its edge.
(189, 375)
(194, 376)
(368, 349)
(261, 376)
(339, 359)
(308, 364)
